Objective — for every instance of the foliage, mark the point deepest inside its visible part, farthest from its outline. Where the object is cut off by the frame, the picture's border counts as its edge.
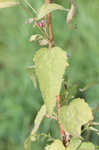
(47, 8)
(74, 116)
(22, 100)
(50, 66)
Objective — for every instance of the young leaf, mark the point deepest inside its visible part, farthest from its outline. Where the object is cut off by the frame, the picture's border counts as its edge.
(38, 119)
(56, 145)
(86, 146)
(35, 37)
(47, 8)
(50, 67)
(27, 144)
(74, 144)
(75, 115)
(10, 3)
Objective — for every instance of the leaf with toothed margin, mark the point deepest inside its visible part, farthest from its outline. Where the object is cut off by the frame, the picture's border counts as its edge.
(50, 68)
(47, 8)
(73, 116)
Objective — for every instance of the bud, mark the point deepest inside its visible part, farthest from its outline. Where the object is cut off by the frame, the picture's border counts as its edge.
(42, 23)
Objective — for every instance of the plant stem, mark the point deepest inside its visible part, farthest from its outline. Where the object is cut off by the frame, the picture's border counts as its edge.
(27, 11)
(51, 41)
(58, 114)
(30, 6)
(64, 134)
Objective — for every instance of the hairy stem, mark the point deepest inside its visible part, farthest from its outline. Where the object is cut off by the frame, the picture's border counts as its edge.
(51, 41)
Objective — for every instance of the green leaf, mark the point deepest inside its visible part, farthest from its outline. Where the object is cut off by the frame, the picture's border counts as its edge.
(8, 3)
(27, 144)
(86, 146)
(50, 67)
(74, 143)
(75, 115)
(38, 119)
(56, 145)
(47, 8)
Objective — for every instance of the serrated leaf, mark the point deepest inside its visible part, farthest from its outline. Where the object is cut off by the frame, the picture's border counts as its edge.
(56, 145)
(50, 67)
(27, 144)
(86, 146)
(47, 8)
(75, 115)
(74, 143)
(8, 3)
(31, 73)
(38, 119)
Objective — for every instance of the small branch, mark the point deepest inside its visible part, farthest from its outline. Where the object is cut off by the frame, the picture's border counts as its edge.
(51, 41)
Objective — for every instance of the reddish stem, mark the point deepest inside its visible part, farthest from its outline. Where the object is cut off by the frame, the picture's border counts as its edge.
(51, 41)
(62, 132)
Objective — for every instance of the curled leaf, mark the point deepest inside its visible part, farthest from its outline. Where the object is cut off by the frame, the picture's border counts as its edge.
(47, 8)
(71, 13)
(38, 119)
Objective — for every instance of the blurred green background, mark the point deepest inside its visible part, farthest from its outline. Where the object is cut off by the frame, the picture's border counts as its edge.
(19, 100)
